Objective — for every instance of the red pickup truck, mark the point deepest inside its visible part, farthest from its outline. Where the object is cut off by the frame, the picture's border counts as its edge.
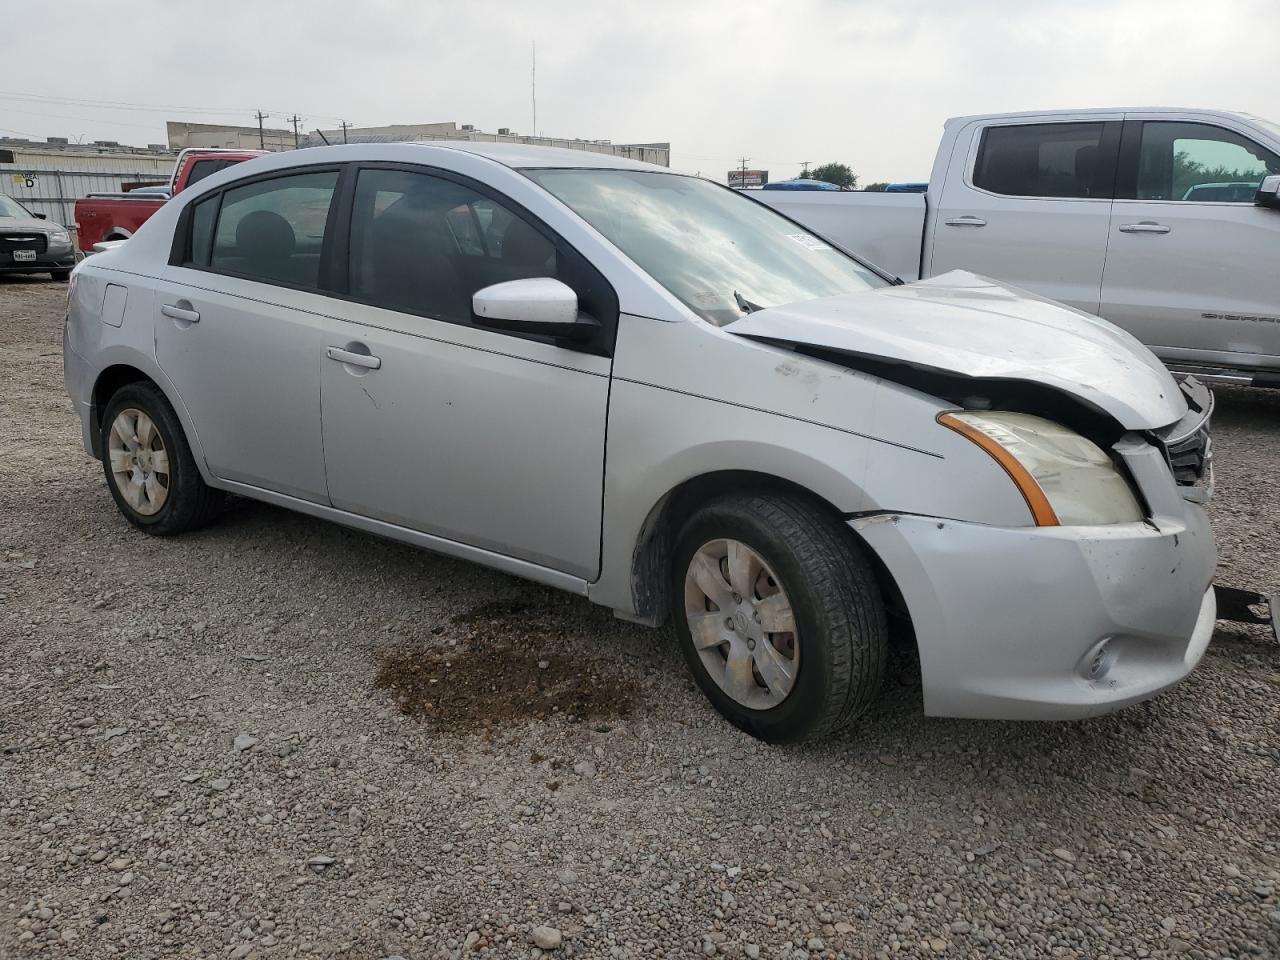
(115, 216)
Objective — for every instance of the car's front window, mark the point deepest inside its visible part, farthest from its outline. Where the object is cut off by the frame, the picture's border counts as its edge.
(11, 208)
(720, 253)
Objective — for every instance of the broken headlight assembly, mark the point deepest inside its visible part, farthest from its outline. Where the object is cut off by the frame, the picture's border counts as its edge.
(1066, 479)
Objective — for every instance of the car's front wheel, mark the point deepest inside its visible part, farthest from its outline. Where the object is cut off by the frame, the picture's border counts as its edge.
(779, 615)
(150, 470)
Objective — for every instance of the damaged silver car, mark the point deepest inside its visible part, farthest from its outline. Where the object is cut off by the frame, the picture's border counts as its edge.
(656, 392)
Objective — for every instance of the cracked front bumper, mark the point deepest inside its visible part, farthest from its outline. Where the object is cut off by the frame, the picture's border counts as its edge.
(1050, 623)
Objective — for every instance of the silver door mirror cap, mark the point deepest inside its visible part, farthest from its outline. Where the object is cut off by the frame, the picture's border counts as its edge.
(532, 302)
(1268, 194)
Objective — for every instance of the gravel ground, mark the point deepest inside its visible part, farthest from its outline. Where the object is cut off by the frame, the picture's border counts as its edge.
(281, 738)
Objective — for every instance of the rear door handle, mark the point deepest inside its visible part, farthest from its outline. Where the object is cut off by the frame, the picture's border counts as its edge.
(355, 359)
(1146, 226)
(965, 222)
(178, 311)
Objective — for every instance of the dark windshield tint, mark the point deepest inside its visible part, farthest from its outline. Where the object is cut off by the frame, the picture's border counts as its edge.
(719, 252)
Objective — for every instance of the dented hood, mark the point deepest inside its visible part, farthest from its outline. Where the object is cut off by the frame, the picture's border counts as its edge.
(964, 324)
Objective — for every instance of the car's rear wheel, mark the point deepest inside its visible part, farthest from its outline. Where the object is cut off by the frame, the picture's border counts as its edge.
(779, 615)
(150, 471)
(59, 274)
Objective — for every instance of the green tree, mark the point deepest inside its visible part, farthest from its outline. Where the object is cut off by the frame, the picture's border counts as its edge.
(877, 187)
(1188, 173)
(838, 173)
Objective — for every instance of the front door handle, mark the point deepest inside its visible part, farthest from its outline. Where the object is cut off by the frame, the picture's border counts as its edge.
(355, 359)
(180, 311)
(1146, 226)
(965, 222)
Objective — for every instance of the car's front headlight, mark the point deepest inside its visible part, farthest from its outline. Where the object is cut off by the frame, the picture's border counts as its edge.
(58, 237)
(1065, 478)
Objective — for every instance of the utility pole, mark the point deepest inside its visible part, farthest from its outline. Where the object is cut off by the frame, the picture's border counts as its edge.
(294, 120)
(262, 141)
(742, 185)
(344, 125)
(533, 84)
(804, 172)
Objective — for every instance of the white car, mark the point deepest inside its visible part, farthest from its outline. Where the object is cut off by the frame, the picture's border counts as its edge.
(650, 390)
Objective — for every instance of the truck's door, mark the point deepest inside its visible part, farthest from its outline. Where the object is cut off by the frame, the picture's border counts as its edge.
(1189, 265)
(1028, 201)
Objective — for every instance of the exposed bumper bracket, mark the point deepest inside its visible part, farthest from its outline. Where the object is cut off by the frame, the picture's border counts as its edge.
(1241, 606)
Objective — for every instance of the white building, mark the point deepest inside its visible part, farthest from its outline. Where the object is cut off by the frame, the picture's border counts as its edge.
(48, 177)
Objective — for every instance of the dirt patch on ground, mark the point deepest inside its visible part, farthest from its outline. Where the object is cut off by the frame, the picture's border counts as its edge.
(512, 667)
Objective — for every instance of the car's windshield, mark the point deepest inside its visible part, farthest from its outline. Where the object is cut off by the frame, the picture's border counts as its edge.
(11, 208)
(722, 254)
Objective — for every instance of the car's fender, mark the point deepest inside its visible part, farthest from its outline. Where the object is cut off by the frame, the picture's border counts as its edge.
(102, 347)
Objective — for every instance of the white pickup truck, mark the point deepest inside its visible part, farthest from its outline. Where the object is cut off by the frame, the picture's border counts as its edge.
(1165, 222)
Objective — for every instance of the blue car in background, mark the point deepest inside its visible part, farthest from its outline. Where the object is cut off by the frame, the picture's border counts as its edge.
(800, 185)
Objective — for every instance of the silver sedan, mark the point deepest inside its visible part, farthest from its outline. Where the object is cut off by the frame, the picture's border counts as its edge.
(654, 391)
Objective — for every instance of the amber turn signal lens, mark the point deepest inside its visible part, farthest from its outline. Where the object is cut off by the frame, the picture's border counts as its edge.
(1041, 511)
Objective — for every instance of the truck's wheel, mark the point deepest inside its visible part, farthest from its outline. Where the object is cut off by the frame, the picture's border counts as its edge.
(152, 476)
(779, 616)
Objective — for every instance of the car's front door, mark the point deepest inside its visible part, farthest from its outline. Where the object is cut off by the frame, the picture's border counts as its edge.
(1028, 203)
(240, 329)
(1189, 270)
(480, 437)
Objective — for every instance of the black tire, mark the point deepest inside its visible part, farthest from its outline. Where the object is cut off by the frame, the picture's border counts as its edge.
(60, 275)
(839, 614)
(189, 503)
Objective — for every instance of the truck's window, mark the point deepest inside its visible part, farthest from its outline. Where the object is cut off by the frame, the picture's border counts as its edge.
(423, 244)
(722, 254)
(1200, 163)
(273, 230)
(202, 168)
(1063, 160)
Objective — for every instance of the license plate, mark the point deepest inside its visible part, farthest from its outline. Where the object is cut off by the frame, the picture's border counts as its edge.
(24, 256)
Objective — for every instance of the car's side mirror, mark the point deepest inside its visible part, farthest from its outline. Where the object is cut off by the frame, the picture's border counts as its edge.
(41, 216)
(538, 305)
(1268, 194)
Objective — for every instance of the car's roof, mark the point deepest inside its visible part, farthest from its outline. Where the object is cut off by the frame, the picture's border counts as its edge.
(518, 156)
(1096, 110)
(523, 156)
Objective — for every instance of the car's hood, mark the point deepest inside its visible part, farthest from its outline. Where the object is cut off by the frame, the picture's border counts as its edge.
(21, 224)
(964, 324)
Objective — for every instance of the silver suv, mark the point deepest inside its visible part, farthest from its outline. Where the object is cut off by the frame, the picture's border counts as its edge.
(651, 390)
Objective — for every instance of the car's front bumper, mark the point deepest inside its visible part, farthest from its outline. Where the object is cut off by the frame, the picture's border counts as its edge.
(1050, 623)
(56, 258)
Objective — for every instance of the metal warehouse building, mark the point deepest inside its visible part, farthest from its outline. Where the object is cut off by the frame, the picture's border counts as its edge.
(48, 177)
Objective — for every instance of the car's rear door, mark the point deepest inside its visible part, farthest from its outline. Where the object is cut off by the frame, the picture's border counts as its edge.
(485, 438)
(1028, 201)
(1189, 265)
(241, 327)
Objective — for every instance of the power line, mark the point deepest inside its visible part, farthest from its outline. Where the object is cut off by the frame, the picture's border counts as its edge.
(145, 108)
(63, 116)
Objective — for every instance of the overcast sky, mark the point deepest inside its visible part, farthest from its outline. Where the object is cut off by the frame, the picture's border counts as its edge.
(864, 83)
